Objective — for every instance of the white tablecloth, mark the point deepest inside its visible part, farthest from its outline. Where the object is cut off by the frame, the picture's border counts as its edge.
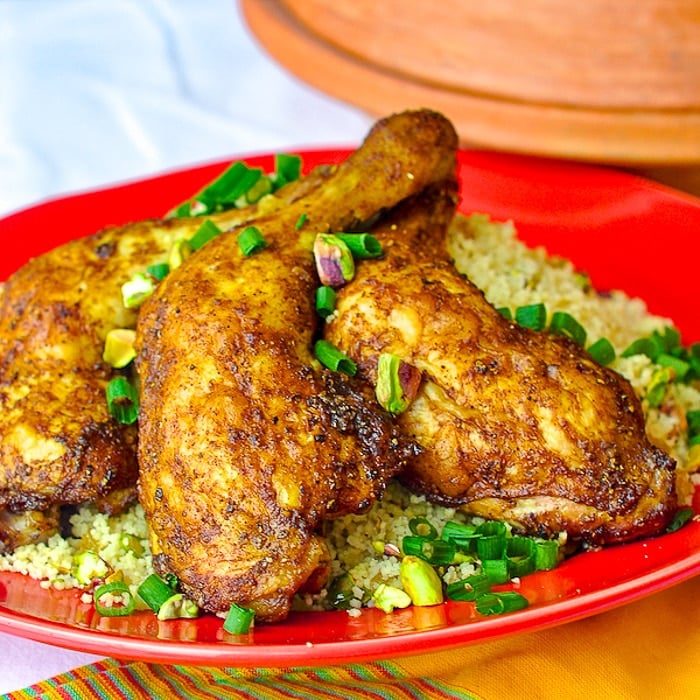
(97, 92)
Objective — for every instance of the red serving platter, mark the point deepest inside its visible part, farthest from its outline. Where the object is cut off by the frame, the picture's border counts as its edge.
(626, 232)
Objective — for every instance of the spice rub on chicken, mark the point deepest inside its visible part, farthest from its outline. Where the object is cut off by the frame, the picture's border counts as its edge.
(514, 424)
(246, 443)
(58, 443)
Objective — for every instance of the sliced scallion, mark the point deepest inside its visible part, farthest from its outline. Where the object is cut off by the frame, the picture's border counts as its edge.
(154, 591)
(656, 388)
(300, 222)
(205, 233)
(468, 589)
(533, 316)
(492, 543)
(459, 533)
(362, 245)
(546, 554)
(682, 516)
(434, 551)
(602, 351)
(496, 570)
(158, 270)
(422, 527)
(641, 346)
(115, 588)
(563, 323)
(122, 400)
(505, 312)
(500, 603)
(680, 367)
(521, 556)
(239, 619)
(325, 301)
(251, 240)
(328, 355)
(287, 169)
(693, 420)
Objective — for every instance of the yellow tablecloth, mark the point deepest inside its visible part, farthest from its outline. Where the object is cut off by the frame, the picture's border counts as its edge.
(647, 649)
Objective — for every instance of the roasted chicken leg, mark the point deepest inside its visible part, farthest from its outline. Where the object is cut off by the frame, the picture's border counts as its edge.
(514, 424)
(246, 444)
(58, 443)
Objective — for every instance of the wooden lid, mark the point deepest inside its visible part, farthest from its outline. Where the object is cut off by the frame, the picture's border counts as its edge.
(615, 82)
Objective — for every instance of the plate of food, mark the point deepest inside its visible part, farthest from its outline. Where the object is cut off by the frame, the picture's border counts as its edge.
(346, 404)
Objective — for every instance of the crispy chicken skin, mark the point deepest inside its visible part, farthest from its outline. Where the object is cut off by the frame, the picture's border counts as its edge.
(58, 444)
(514, 424)
(246, 444)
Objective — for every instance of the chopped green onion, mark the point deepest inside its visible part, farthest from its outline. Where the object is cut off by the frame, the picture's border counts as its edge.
(238, 186)
(251, 240)
(693, 420)
(301, 221)
(362, 245)
(491, 546)
(434, 551)
(602, 351)
(422, 527)
(505, 312)
(563, 323)
(680, 367)
(492, 543)
(533, 316)
(222, 192)
(122, 400)
(239, 619)
(521, 556)
(158, 271)
(656, 389)
(680, 519)
(262, 186)
(459, 533)
(546, 554)
(500, 603)
(496, 570)
(287, 169)
(117, 588)
(154, 591)
(468, 589)
(137, 290)
(325, 301)
(328, 355)
(340, 591)
(642, 346)
(205, 233)
(398, 383)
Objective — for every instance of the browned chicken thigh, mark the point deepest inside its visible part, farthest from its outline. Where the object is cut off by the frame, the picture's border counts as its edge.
(58, 443)
(514, 424)
(246, 443)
